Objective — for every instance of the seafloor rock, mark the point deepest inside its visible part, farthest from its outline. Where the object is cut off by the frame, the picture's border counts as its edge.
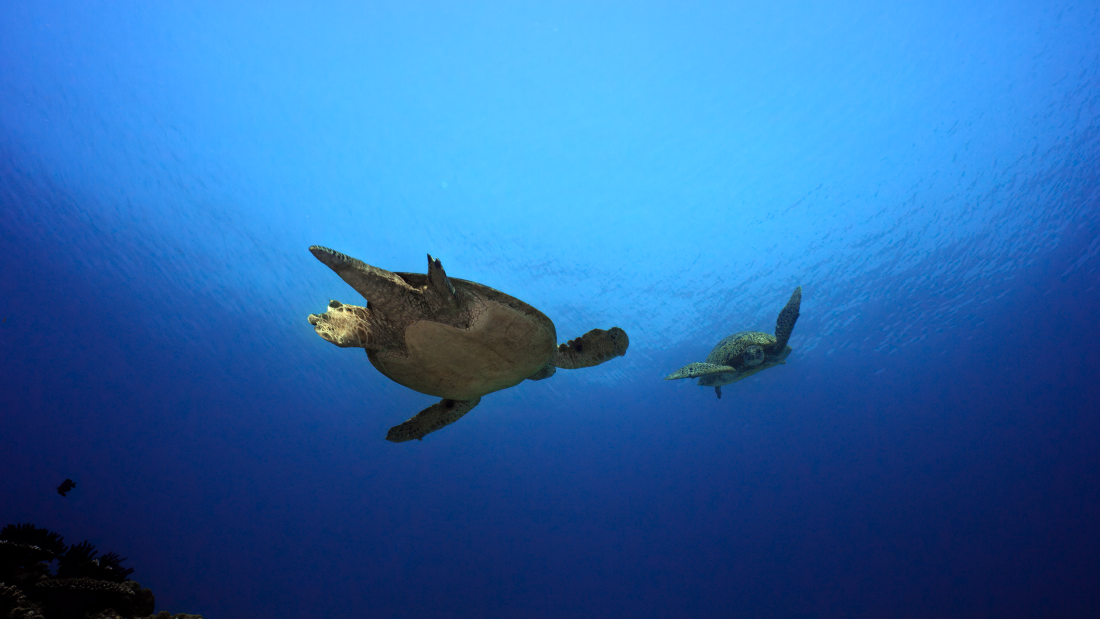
(83, 586)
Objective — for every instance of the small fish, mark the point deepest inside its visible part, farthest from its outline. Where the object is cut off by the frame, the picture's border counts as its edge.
(66, 486)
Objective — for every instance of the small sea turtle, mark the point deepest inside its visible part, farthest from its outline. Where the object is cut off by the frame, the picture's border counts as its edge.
(743, 354)
(450, 338)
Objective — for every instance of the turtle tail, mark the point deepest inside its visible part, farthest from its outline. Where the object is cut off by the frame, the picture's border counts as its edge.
(785, 323)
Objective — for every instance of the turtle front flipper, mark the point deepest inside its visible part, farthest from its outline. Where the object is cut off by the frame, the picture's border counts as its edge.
(697, 369)
(386, 291)
(785, 323)
(442, 413)
(592, 348)
(347, 326)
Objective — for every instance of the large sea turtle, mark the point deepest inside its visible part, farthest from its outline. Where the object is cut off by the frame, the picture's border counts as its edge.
(448, 337)
(743, 354)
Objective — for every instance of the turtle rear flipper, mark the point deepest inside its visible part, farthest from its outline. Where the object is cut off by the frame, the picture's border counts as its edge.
(386, 291)
(785, 323)
(442, 413)
(592, 348)
(697, 369)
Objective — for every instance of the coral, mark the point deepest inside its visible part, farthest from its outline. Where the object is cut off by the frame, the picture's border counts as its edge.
(80, 561)
(143, 602)
(15, 605)
(30, 535)
(14, 556)
(24, 545)
(84, 586)
(74, 597)
(161, 615)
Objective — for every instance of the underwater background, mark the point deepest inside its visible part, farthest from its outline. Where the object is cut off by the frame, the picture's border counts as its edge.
(928, 172)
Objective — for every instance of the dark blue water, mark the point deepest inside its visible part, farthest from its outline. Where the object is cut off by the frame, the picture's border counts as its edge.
(929, 174)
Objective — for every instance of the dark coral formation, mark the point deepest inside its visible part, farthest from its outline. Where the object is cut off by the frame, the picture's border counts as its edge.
(30, 535)
(80, 561)
(83, 586)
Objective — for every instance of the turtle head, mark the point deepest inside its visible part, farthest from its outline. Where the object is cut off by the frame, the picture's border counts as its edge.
(753, 356)
(347, 326)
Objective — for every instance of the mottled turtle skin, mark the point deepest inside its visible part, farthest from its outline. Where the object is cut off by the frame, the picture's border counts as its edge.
(745, 353)
(450, 338)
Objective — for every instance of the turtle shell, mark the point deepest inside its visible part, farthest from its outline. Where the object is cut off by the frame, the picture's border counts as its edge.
(505, 342)
(731, 350)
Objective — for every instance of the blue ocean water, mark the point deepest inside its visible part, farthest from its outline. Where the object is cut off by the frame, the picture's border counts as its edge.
(929, 173)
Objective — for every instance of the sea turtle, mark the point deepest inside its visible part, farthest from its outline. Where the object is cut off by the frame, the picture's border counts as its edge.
(743, 354)
(450, 338)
